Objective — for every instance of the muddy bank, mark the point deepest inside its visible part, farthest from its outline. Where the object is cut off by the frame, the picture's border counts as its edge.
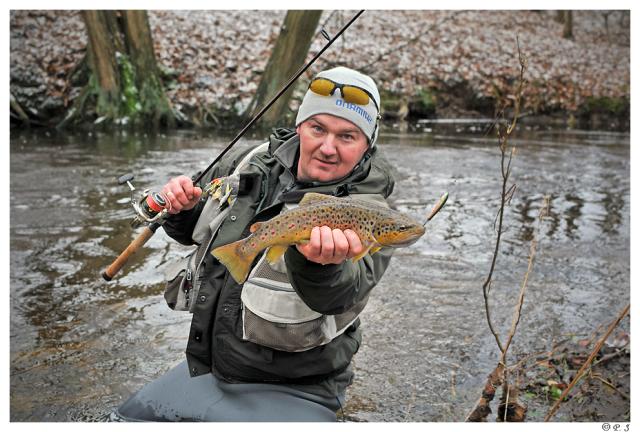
(429, 64)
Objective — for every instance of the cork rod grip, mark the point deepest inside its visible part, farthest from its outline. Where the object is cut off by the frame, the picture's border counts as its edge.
(136, 244)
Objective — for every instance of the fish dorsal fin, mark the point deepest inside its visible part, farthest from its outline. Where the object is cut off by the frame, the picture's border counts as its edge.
(314, 197)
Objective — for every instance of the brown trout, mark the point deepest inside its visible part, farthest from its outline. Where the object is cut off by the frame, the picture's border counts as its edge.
(376, 225)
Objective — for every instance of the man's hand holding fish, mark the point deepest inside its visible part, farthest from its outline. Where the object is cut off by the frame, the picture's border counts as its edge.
(331, 246)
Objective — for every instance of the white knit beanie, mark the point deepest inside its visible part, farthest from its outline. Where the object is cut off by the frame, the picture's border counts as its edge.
(363, 116)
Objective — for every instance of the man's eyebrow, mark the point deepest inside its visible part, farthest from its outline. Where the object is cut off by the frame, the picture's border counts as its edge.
(312, 119)
(355, 129)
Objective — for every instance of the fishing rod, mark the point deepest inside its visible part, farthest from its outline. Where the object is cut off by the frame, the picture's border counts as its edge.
(151, 207)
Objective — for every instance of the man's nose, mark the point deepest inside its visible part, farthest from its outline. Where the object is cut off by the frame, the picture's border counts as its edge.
(328, 147)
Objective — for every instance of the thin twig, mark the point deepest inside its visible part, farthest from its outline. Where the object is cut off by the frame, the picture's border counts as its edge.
(608, 384)
(494, 259)
(610, 356)
(18, 109)
(586, 364)
(453, 383)
(498, 376)
(503, 137)
(523, 288)
(506, 390)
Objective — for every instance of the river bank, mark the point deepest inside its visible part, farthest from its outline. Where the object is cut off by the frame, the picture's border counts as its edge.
(428, 64)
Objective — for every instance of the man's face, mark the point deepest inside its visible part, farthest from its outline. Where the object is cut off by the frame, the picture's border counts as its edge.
(330, 147)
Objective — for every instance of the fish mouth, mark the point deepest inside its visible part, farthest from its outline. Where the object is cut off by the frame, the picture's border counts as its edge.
(405, 243)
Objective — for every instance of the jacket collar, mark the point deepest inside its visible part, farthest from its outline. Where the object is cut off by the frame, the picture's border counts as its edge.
(286, 152)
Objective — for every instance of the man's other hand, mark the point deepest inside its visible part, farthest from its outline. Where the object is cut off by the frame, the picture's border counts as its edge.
(181, 193)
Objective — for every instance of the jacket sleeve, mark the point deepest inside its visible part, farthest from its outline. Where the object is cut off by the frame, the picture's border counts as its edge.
(334, 288)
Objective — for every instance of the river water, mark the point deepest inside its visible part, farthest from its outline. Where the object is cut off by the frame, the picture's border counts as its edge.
(80, 346)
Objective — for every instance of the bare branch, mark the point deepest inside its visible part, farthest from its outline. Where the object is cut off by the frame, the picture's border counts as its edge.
(510, 193)
(498, 376)
(523, 288)
(481, 410)
(522, 59)
(507, 193)
(587, 363)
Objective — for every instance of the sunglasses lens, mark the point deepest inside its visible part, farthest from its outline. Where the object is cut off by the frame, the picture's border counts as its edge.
(355, 95)
(322, 87)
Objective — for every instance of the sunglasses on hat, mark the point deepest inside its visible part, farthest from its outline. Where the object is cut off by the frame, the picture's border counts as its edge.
(350, 93)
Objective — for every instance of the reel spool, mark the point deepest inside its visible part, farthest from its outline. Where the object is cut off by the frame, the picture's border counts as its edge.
(149, 207)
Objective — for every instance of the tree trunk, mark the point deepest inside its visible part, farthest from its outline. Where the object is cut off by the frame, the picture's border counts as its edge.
(154, 102)
(124, 85)
(559, 16)
(605, 16)
(567, 31)
(102, 60)
(288, 56)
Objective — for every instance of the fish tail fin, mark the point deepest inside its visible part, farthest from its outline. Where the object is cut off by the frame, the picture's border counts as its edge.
(235, 260)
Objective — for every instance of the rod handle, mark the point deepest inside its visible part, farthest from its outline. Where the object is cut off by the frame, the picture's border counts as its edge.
(136, 244)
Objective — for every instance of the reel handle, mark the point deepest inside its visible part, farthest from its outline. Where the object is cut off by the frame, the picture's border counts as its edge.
(136, 244)
(125, 178)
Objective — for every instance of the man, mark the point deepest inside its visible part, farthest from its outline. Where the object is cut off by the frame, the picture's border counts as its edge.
(279, 346)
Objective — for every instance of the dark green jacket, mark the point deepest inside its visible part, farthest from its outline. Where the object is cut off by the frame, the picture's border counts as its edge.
(215, 341)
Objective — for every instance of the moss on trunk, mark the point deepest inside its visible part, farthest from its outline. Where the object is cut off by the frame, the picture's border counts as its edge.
(124, 86)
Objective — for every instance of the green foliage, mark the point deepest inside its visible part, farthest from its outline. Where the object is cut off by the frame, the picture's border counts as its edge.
(611, 105)
(390, 101)
(130, 96)
(423, 104)
(555, 392)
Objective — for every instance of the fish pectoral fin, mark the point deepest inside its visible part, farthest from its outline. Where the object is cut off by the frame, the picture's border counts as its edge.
(314, 197)
(253, 228)
(375, 249)
(362, 254)
(275, 252)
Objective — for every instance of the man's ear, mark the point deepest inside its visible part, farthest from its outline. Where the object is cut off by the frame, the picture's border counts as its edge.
(298, 128)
